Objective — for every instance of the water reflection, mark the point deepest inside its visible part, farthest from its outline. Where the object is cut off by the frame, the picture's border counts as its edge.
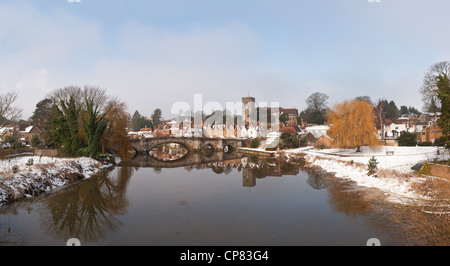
(87, 211)
(254, 168)
(93, 209)
(10, 236)
(168, 152)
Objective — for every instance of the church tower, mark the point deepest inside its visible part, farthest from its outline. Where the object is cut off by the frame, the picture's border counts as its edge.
(248, 111)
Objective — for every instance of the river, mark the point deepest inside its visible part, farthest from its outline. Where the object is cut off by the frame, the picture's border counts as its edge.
(243, 201)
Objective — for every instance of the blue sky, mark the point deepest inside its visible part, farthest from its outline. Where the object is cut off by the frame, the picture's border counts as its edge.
(152, 54)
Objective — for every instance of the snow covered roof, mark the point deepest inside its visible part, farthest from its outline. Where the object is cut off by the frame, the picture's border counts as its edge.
(3, 130)
(317, 131)
(419, 128)
(28, 129)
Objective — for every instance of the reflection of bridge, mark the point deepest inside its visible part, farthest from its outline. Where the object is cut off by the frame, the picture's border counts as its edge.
(190, 159)
(192, 144)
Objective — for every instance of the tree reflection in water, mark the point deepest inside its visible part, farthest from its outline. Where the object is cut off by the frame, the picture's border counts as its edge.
(88, 210)
(9, 237)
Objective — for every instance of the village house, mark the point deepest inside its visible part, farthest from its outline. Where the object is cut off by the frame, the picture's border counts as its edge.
(163, 130)
(26, 133)
(315, 133)
(392, 131)
(230, 131)
(145, 132)
(421, 133)
(7, 131)
(424, 126)
(433, 132)
(253, 132)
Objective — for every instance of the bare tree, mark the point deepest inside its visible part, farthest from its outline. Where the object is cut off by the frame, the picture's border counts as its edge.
(317, 102)
(95, 95)
(429, 88)
(317, 108)
(8, 112)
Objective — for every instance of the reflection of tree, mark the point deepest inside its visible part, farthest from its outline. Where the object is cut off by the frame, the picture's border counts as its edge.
(8, 236)
(316, 180)
(87, 211)
(157, 170)
(347, 200)
(218, 169)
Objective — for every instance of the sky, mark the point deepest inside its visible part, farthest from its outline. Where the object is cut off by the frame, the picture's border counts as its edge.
(154, 53)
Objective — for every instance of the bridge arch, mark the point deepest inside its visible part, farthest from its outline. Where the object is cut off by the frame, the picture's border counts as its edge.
(191, 144)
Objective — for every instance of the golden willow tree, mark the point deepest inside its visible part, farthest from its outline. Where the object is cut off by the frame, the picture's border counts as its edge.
(352, 125)
(115, 136)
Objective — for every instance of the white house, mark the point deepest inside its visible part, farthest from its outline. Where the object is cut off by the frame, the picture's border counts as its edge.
(252, 132)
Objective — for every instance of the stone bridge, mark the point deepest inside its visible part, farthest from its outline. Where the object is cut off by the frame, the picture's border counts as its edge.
(144, 145)
(190, 159)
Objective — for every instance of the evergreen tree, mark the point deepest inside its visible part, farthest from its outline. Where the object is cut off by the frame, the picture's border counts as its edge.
(49, 135)
(372, 166)
(443, 85)
(71, 142)
(136, 121)
(391, 110)
(156, 117)
(407, 139)
(42, 112)
(403, 109)
(94, 126)
(413, 110)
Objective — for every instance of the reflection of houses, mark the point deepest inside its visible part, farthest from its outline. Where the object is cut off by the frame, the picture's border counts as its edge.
(168, 152)
(252, 170)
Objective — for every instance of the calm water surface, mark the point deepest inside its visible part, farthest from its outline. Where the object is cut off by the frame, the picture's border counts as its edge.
(239, 201)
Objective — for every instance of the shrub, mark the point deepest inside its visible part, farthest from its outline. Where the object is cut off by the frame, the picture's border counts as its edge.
(407, 139)
(426, 169)
(15, 168)
(30, 162)
(372, 166)
(255, 143)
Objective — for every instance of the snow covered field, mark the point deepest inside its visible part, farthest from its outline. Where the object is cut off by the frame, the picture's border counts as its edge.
(27, 176)
(396, 187)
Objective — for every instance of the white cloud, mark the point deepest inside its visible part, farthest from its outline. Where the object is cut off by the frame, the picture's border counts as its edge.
(154, 67)
(345, 50)
(38, 50)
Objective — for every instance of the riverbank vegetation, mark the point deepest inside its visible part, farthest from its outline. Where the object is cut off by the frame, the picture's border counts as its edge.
(84, 122)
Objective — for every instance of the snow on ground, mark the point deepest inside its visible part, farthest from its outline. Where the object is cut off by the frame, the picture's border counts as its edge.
(27, 176)
(396, 188)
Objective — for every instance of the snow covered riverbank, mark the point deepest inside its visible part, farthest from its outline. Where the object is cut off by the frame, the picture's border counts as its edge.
(394, 178)
(27, 176)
